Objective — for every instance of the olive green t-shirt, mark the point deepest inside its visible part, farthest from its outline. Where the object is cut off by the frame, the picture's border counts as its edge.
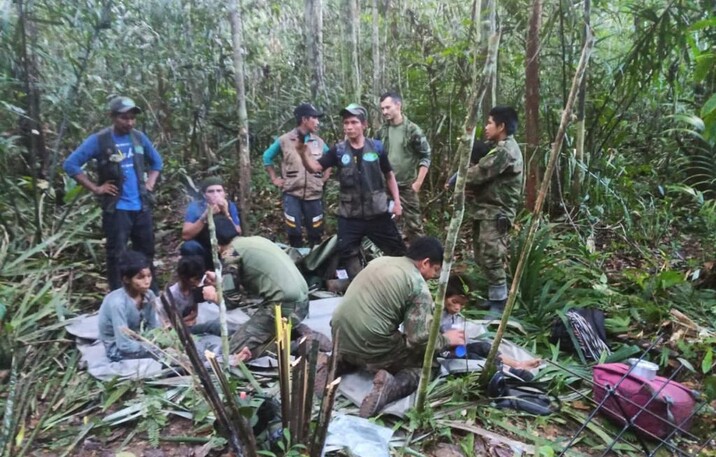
(404, 163)
(389, 292)
(264, 270)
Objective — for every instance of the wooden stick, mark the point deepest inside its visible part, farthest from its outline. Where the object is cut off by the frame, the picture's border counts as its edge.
(201, 372)
(310, 380)
(247, 433)
(324, 418)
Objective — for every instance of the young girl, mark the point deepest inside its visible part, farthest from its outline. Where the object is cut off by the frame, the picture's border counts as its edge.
(129, 307)
(455, 301)
(195, 285)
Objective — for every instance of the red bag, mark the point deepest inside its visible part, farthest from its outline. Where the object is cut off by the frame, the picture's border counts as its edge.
(657, 406)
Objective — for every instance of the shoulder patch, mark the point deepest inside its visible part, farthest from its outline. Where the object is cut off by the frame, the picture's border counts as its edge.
(345, 159)
(370, 157)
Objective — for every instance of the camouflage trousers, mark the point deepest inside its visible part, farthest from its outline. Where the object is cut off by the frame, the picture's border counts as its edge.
(411, 223)
(490, 249)
(399, 359)
(258, 332)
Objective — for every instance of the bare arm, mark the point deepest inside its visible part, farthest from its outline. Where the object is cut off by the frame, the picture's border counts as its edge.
(309, 162)
(276, 180)
(327, 175)
(190, 230)
(418, 183)
(108, 188)
(394, 193)
(152, 176)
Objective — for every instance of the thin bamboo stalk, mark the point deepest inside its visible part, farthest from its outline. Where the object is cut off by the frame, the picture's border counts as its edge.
(201, 372)
(219, 290)
(246, 432)
(464, 150)
(324, 418)
(536, 213)
(310, 379)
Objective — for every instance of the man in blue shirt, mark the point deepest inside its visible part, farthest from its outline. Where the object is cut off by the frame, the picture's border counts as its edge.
(195, 231)
(128, 167)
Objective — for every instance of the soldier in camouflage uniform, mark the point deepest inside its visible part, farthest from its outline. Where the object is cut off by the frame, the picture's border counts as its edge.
(389, 292)
(263, 270)
(409, 155)
(494, 191)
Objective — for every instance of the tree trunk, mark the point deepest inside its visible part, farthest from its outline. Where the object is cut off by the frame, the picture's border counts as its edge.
(243, 139)
(487, 15)
(352, 26)
(581, 101)
(532, 105)
(377, 74)
(31, 126)
(313, 12)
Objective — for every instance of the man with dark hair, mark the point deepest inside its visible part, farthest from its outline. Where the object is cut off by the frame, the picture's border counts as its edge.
(494, 192)
(365, 178)
(266, 271)
(124, 155)
(195, 231)
(389, 292)
(409, 154)
(302, 190)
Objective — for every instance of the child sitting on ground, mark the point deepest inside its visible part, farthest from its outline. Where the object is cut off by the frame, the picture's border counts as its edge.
(455, 300)
(194, 285)
(129, 307)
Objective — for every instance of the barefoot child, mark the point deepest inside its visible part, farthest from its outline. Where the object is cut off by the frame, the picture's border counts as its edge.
(455, 300)
(129, 307)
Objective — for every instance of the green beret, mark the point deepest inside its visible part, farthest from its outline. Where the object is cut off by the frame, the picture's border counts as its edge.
(211, 181)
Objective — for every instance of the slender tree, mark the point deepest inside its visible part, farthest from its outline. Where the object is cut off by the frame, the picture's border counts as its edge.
(377, 74)
(532, 97)
(581, 102)
(313, 30)
(352, 27)
(243, 139)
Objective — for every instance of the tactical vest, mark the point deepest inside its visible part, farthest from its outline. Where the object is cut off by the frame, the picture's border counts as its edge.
(298, 181)
(363, 190)
(111, 170)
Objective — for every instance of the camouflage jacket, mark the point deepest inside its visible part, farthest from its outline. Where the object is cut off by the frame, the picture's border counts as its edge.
(494, 184)
(415, 152)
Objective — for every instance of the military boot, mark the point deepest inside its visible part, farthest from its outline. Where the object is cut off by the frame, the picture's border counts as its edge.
(386, 389)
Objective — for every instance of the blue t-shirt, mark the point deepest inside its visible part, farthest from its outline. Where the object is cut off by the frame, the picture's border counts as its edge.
(129, 198)
(197, 208)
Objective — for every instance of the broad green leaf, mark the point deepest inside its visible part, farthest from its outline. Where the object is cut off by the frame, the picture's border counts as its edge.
(707, 363)
(709, 106)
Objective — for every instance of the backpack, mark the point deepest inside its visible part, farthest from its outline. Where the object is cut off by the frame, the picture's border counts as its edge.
(582, 332)
(655, 408)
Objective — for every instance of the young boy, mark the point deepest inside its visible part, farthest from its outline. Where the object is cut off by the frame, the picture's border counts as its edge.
(455, 300)
(129, 307)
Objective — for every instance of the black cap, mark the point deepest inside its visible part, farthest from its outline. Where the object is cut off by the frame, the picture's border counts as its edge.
(306, 110)
(120, 105)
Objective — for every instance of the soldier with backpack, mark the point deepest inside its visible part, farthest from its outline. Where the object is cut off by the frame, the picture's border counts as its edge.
(128, 167)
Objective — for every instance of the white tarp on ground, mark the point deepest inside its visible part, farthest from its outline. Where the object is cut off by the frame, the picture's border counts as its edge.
(354, 386)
